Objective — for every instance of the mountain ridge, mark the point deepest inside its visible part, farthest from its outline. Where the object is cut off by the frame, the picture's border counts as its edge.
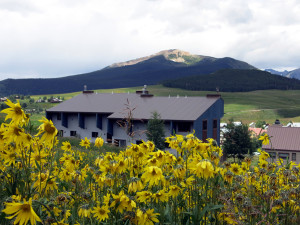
(150, 70)
(290, 74)
(168, 54)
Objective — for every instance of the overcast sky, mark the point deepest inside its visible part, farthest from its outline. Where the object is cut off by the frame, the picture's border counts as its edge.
(51, 38)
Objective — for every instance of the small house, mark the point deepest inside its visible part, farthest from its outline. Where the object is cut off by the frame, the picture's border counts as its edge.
(4, 99)
(284, 143)
(55, 100)
(256, 132)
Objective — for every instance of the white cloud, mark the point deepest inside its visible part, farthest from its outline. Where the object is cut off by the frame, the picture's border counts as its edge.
(55, 38)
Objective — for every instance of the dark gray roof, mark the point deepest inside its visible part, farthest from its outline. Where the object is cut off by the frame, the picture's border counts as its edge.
(283, 138)
(169, 108)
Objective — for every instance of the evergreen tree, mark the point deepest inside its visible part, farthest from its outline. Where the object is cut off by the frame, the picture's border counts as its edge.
(155, 131)
(24, 105)
(260, 124)
(238, 141)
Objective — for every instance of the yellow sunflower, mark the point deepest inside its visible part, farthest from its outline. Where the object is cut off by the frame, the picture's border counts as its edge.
(153, 175)
(66, 146)
(9, 157)
(120, 202)
(14, 134)
(135, 185)
(85, 143)
(38, 157)
(15, 112)
(99, 142)
(62, 222)
(174, 191)
(235, 168)
(150, 217)
(160, 196)
(204, 169)
(48, 130)
(101, 213)
(23, 211)
(84, 211)
(265, 139)
(143, 196)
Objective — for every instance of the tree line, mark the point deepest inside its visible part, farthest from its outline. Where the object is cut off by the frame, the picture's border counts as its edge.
(234, 80)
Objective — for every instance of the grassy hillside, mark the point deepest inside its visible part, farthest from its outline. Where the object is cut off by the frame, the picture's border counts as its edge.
(248, 107)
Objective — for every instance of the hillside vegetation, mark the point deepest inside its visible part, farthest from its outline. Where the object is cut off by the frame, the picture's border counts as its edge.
(234, 80)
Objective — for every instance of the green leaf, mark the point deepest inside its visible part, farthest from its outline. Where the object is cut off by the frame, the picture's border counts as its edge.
(216, 207)
(37, 165)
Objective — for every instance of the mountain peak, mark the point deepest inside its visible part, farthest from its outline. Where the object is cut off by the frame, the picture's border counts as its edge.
(175, 52)
(174, 55)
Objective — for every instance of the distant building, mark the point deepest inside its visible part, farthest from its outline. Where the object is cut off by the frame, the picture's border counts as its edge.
(39, 100)
(284, 143)
(55, 100)
(91, 115)
(256, 132)
(237, 123)
(252, 124)
(293, 124)
(3, 99)
(223, 130)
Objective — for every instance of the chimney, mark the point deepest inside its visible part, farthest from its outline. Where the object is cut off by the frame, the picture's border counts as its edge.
(277, 122)
(144, 92)
(213, 96)
(85, 91)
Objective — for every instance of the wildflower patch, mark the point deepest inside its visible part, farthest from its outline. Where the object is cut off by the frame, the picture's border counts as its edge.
(44, 184)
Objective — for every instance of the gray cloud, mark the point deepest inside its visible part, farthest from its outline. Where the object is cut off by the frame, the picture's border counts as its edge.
(19, 7)
(52, 38)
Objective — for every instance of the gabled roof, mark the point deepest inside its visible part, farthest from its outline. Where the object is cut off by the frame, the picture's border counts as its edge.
(257, 131)
(283, 138)
(169, 108)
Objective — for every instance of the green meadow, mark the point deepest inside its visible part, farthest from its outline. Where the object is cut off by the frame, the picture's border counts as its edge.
(267, 105)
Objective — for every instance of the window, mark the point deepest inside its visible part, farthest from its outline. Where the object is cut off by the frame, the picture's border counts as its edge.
(72, 133)
(120, 142)
(204, 125)
(294, 156)
(138, 142)
(215, 124)
(283, 155)
(58, 116)
(94, 134)
(109, 138)
(184, 127)
(215, 129)
(60, 133)
(204, 130)
(272, 155)
(167, 145)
